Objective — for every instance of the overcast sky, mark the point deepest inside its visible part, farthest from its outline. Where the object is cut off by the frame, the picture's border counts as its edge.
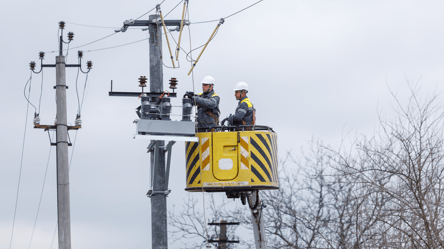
(316, 69)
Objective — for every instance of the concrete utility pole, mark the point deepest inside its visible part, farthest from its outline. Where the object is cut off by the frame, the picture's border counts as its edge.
(63, 205)
(62, 143)
(223, 240)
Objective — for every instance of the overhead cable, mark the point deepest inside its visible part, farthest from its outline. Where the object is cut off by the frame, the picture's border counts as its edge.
(41, 93)
(243, 9)
(41, 196)
(84, 44)
(91, 26)
(215, 20)
(93, 50)
(24, 92)
(173, 8)
(21, 162)
(149, 11)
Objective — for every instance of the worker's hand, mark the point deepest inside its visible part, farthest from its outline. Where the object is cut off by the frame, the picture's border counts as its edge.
(190, 95)
(223, 121)
(230, 119)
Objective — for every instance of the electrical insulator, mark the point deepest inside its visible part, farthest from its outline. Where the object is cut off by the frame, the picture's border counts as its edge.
(142, 81)
(32, 65)
(36, 119)
(165, 108)
(89, 64)
(70, 36)
(187, 107)
(41, 55)
(78, 121)
(173, 83)
(62, 24)
(80, 53)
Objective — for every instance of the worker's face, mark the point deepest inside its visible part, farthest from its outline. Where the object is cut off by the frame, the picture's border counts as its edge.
(238, 94)
(207, 88)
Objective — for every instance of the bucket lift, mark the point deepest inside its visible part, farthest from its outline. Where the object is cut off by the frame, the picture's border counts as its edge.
(232, 159)
(237, 160)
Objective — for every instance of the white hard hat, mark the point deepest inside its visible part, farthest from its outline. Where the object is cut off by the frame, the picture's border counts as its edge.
(208, 80)
(241, 86)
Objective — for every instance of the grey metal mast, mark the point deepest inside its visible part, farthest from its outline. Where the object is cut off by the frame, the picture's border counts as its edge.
(150, 121)
(159, 231)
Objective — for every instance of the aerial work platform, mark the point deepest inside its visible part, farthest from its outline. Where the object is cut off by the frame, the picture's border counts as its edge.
(228, 159)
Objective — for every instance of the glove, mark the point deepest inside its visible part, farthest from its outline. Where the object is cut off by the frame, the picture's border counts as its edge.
(230, 119)
(223, 121)
(190, 95)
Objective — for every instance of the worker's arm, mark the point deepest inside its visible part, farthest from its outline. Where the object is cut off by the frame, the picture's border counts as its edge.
(240, 113)
(207, 103)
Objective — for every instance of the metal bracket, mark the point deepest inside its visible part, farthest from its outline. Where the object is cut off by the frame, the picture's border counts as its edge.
(152, 193)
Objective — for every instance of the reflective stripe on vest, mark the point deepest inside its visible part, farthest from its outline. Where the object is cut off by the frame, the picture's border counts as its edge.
(248, 102)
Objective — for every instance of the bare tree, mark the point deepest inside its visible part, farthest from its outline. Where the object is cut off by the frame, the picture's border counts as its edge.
(403, 165)
(190, 227)
(386, 191)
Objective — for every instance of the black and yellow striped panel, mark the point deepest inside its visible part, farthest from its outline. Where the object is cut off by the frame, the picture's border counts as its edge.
(264, 158)
(193, 162)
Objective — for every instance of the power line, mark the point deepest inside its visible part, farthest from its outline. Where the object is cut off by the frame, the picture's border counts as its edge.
(83, 98)
(77, 91)
(116, 46)
(173, 9)
(231, 14)
(244, 9)
(92, 26)
(41, 92)
(149, 11)
(21, 162)
(24, 92)
(85, 44)
(41, 196)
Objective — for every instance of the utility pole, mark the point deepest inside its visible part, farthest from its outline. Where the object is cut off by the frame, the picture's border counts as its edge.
(62, 141)
(159, 230)
(154, 120)
(223, 238)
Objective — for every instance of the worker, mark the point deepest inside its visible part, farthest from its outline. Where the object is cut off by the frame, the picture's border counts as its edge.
(245, 112)
(207, 104)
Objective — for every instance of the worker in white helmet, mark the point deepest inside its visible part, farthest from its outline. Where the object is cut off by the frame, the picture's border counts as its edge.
(245, 112)
(207, 104)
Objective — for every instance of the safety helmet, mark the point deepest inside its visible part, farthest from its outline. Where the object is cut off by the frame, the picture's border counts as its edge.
(241, 86)
(208, 80)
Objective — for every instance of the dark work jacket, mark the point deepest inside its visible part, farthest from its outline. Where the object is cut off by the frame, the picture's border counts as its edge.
(207, 103)
(244, 112)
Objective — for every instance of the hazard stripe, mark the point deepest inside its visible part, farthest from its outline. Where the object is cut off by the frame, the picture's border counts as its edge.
(193, 164)
(273, 156)
(259, 149)
(205, 152)
(244, 153)
(276, 158)
(196, 173)
(259, 162)
(257, 174)
(187, 146)
(191, 152)
(267, 158)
